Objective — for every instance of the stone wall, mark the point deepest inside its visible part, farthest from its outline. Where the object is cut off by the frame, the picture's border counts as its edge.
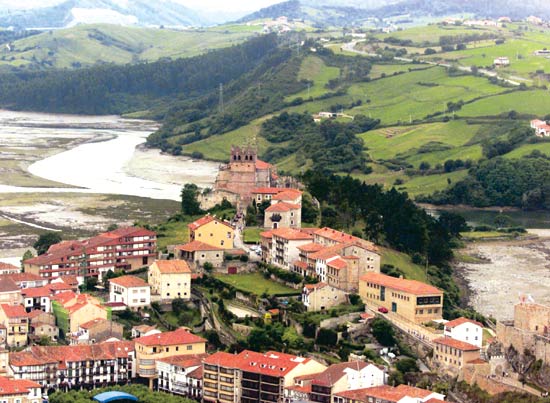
(480, 374)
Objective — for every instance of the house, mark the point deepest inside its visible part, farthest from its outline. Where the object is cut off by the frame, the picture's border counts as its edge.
(170, 279)
(72, 310)
(144, 330)
(389, 394)
(283, 215)
(16, 321)
(245, 377)
(127, 248)
(19, 391)
(26, 280)
(97, 331)
(534, 20)
(285, 243)
(411, 300)
(346, 376)
(71, 282)
(268, 193)
(7, 268)
(181, 375)
(505, 20)
(321, 297)
(501, 62)
(37, 298)
(542, 129)
(38, 330)
(452, 355)
(130, 290)
(464, 329)
(108, 363)
(198, 253)
(10, 293)
(212, 231)
(151, 348)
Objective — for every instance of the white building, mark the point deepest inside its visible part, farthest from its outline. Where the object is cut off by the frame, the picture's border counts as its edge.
(285, 243)
(501, 61)
(181, 375)
(130, 290)
(466, 330)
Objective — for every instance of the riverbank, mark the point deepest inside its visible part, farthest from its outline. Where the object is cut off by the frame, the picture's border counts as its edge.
(501, 271)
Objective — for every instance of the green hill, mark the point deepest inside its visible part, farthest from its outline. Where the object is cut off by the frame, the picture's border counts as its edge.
(87, 45)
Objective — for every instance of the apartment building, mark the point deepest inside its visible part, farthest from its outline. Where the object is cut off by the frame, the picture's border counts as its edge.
(466, 330)
(151, 348)
(170, 279)
(16, 321)
(103, 363)
(251, 377)
(19, 391)
(181, 375)
(132, 291)
(452, 355)
(26, 280)
(412, 300)
(122, 249)
(285, 243)
(389, 394)
(212, 231)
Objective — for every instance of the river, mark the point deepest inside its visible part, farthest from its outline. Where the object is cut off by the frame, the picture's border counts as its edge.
(108, 161)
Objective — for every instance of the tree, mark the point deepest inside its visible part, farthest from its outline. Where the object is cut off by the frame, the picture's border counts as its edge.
(430, 51)
(45, 241)
(453, 223)
(424, 166)
(383, 331)
(189, 200)
(208, 267)
(327, 337)
(27, 255)
(406, 365)
(178, 305)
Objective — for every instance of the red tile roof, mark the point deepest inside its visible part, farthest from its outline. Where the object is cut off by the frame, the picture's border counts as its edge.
(460, 321)
(196, 246)
(269, 191)
(409, 286)
(64, 297)
(70, 280)
(457, 344)
(477, 361)
(129, 281)
(291, 234)
(20, 277)
(36, 292)
(196, 373)
(60, 287)
(10, 386)
(287, 194)
(172, 266)
(315, 286)
(385, 392)
(311, 247)
(267, 234)
(14, 311)
(282, 207)
(205, 220)
(336, 371)
(327, 252)
(92, 323)
(300, 264)
(263, 165)
(8, 266)
(8, 285)
(342, 237)
(35, 313)
(179, 336)
(221, 359)
(184, 361)
(338, 264)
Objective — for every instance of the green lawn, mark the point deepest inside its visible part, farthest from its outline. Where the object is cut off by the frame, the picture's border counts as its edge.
(432, 33)
(404, 263)
(527, 149)
(252, 234)
(255, 283)
(535, 103)
(314, 69)
(389, 69)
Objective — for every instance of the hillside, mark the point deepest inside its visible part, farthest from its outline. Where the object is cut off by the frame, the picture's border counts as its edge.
(86, 45)
(134, 12)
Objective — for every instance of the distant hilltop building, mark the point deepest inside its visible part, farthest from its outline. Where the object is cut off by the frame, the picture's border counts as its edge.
(542, 129)
(501, 62)
(237, 179)
(534, 20)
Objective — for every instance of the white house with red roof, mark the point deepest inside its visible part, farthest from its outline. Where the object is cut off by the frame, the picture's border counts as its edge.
(19, 391)
(8, 268)
(181, 375)
(542, 129)
(132, 291)
(464, 329)
(389, 394)
(285, 243)
(37, 298)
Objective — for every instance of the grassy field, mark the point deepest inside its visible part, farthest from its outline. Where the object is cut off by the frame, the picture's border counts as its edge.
(432, 33)
(535, 103)
(404, 263)
(389, 69)
(255, 283)
(314, 69)
(252, 234)
(91, 44)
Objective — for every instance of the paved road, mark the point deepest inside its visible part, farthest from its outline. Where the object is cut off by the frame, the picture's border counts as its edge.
(350, 47)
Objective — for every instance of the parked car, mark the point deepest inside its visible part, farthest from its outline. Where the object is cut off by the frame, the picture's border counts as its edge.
(383, 310)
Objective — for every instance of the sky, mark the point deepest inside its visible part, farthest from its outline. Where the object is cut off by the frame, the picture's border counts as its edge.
(210, 5)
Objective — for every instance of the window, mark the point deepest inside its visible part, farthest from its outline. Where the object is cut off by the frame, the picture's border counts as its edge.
(222, 242)
(189, 348)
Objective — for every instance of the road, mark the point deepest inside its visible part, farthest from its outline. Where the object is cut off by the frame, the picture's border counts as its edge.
(350, 47)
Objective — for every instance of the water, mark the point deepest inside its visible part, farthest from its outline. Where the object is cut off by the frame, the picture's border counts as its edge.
(114, 166)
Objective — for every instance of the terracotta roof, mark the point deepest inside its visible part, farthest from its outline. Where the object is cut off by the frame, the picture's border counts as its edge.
(327, 252)
(267, 234)
(477, 361)
(196, 373)
(179, 336)
(272, 191)
(282, 207)
(338, 264)
(129, 281)
(385, 392)
(10, 386)
(315, 286)
(92, 323)
(342, 237)
(184, 361)
(195, 246)
(172, 266)
(410, 286)
(262, 164)
(36, 292)
(459, 345)
(287, 194)
(205, 220)
(59, 287)
(311, 247)
(8, 266)
(300, 264)
(70, 280)
(291, 234)
(434, 400)
(298, 388)
(14, 311)
(366, 315)
(20, 277)
(64, 297)
(221, 359)
(336, 371)
(8, 285)
(35, 313)
(460, 321)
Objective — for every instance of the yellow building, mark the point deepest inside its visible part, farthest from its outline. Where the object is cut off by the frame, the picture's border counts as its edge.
(412, 300)
(72, 310)
(162, 345)
(212, 231)
(170, 279)
(15, 319)
(452, 355)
